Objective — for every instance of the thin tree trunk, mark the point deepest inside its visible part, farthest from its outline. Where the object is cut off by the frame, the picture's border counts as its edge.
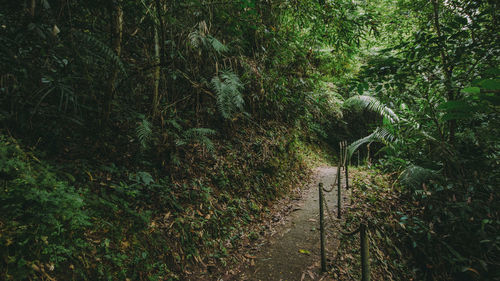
(156, 75)
(160, 60)
(446, 67)
(32, 8)
(117, 33)
(159, 9)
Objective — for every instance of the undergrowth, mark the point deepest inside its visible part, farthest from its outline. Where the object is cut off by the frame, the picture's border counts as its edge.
(418, 233)
(376, 202)
(110, 222)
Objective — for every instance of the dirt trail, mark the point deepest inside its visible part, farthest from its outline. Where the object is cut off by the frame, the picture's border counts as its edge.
(293, 253)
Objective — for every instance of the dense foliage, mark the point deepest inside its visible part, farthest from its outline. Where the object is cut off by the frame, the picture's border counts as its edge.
(138, 137)
(168, 125)
(440, 74)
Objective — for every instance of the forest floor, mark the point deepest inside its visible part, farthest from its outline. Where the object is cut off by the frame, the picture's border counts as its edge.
(284, 244)
(290, 251)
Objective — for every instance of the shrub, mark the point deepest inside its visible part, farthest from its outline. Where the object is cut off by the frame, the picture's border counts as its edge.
(41, 217)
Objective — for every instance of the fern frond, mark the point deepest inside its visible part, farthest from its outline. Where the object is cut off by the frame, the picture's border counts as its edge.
(174, 124)
(379, 135)
(217, 45)
(199, 38)
(198, 135)
(104, 50)
(144, 132)
(195, 39)
(374, 105)
(229, 98)
(414, 176)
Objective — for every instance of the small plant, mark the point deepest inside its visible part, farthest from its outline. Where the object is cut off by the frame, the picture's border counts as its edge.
(197, 135)
(228, 88)
(144, 132)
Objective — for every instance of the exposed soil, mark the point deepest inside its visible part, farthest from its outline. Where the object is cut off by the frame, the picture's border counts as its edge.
(292, 253)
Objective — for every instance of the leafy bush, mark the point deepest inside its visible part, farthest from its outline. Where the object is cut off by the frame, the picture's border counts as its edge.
(41, 217)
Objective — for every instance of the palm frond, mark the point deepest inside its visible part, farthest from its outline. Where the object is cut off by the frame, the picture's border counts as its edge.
(379, 135)
(374, 105)
(102, 49)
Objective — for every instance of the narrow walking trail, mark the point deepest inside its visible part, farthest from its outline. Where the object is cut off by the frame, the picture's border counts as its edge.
(293, 252)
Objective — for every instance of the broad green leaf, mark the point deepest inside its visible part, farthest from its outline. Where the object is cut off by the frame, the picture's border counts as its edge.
(454, 105)
(490, 84)
(471, 90)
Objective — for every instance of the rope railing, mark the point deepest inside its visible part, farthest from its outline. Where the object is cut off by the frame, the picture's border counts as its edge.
(362, 229)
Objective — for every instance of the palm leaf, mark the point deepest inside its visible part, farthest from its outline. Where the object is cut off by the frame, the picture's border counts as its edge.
(374, 105)
(379, 135)
(101, 49)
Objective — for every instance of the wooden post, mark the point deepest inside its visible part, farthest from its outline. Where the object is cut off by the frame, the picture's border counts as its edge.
(346, 174)
(341, 154)
(322, 229)
(365, 253)
(368, 160)
(345, 153)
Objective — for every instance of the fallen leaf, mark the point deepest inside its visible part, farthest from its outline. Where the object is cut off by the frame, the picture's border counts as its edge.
(250, 256)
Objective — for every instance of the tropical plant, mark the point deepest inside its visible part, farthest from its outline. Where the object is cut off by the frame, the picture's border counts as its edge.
(228, 86)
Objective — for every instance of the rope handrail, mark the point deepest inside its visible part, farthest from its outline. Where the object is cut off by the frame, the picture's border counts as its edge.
(362, 229)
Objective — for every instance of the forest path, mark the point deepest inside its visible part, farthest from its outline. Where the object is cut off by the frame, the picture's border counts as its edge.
(293, 252)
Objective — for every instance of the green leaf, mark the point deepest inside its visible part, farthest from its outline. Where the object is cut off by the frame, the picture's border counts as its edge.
(471, 90)
(490, 84)
(493, 71)
(374, 105)
(379, 135)
(454, 105)
(306, 252)
(493, 99)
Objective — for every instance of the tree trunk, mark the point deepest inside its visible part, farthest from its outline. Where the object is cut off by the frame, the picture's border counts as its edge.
(446, 67)
(32, 8)
(160, 60)
(159, 9)
(156, 74)
(117, 35)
